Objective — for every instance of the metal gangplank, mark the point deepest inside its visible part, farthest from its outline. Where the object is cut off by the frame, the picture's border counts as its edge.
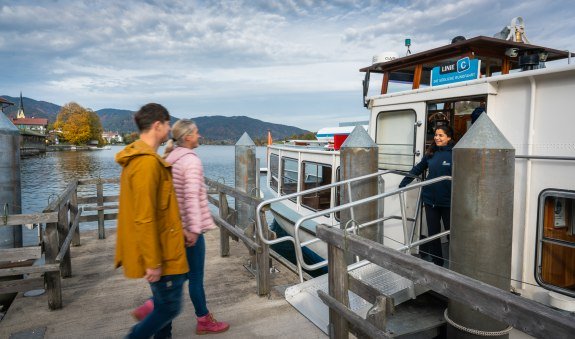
(304, 296)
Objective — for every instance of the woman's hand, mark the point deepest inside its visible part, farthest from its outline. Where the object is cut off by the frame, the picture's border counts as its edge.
(190, 238)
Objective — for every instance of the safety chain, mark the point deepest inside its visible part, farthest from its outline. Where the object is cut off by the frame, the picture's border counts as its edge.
(474, 331)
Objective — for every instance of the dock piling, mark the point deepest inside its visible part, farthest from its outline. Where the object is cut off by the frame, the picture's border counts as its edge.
(246, 176)
(481, 218)
(10, 185)
(358, 156)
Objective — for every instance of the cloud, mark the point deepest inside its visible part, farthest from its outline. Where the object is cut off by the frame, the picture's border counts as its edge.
(231, 56)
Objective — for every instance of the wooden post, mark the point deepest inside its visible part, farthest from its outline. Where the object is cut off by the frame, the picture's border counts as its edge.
(385, 82)
(417, 76)
(380, 312)
(505, 65)
(224, 234)
(74, 210)
(338, 289)
(100, 198)
(63, 228)
(52, 279)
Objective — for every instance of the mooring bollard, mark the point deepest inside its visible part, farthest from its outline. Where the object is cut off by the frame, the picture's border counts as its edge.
(358, 156)
(481, 219)
(246, 176)
(10, 186)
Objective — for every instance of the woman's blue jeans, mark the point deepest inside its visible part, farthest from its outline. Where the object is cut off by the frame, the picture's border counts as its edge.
(167, 296)
(196, 256)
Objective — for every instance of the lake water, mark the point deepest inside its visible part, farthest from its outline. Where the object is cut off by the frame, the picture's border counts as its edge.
(44, 177)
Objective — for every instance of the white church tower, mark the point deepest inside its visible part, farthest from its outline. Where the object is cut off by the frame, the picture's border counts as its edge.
(21, 109)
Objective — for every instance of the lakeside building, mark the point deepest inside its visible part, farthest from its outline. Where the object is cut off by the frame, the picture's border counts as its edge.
(32, 130)
(112, 137)
(37, 125)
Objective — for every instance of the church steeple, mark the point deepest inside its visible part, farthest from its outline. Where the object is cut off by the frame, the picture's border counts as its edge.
(21, 109)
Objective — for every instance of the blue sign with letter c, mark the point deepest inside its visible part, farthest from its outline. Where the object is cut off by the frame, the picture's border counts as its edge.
(466, 69)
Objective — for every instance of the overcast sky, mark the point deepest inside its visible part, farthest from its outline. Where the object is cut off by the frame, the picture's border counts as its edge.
(293, 62)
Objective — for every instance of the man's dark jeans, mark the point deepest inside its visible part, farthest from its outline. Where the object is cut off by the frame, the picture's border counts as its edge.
(167, 295)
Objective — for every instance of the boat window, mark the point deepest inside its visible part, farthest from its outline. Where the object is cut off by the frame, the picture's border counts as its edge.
(316, 175)
(458, 113)
(556, 241)
(274, 165)
(395, 139)
(289, 176)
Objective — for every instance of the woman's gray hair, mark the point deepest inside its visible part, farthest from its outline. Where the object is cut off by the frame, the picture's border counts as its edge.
(180, 129)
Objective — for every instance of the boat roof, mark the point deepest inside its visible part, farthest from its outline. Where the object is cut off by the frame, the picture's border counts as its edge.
(485, 48)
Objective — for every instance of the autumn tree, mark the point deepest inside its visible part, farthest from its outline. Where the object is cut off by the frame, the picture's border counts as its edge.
(95, 127)
(78, 124)
(130, 137)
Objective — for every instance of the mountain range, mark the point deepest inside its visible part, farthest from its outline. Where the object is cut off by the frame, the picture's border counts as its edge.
(212, 128)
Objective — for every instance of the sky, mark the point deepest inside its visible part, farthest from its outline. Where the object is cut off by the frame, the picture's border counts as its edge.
(293, 62)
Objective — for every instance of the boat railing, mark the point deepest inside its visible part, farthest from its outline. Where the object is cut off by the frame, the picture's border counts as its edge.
(409, 232)
(400, 191)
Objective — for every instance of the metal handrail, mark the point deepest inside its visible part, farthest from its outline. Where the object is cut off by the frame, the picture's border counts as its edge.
(400, 191)
(260, 207)
(308, 191)
(298, 245)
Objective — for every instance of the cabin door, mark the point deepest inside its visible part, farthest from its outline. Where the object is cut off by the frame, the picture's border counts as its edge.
(397, 131)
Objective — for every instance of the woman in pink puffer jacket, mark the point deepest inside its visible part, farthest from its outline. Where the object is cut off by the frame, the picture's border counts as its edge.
(188, 176)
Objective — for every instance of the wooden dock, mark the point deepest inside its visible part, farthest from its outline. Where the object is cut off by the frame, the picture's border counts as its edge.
(98, 299)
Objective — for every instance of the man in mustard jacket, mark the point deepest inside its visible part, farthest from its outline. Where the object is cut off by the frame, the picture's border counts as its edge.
(150, 240)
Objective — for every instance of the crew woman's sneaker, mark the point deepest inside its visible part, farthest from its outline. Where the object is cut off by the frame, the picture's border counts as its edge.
(208, 324)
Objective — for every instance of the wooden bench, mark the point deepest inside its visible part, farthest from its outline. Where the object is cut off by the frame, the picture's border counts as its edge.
(18, 263)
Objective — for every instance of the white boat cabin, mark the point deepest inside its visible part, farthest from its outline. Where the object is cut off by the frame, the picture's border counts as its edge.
(532, 105)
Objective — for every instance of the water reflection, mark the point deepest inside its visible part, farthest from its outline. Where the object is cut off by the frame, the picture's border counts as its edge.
(44, 177)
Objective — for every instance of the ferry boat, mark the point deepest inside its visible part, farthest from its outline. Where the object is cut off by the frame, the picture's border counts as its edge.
(525, 89)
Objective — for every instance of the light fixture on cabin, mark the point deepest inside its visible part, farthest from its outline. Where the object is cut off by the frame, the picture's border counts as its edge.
(543, 56)
(511, 52)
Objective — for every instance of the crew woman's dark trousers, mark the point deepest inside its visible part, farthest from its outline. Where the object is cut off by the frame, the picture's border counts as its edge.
(434, 216)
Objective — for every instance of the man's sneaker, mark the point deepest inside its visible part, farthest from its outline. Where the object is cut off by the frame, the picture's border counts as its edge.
(208, 324)
(141, 312)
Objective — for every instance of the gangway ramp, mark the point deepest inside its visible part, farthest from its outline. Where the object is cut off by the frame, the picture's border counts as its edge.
(411, 317)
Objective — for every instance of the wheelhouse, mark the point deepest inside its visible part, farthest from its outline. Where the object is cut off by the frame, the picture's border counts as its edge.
(529, 103)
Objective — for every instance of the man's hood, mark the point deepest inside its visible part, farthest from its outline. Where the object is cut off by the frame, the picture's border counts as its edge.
(136, 149)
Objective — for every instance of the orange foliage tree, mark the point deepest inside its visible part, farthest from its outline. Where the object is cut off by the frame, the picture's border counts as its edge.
(78, 124)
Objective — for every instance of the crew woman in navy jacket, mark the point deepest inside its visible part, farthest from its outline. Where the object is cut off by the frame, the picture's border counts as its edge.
(436, 197)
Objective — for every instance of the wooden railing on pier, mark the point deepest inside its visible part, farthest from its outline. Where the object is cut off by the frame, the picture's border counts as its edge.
(60, 225)
(523, 314)
(226, 220)
(61, 218)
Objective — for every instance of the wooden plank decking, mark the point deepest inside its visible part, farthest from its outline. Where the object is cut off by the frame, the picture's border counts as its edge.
(98, 299)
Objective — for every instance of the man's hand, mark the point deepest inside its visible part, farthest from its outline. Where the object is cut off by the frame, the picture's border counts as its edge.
(153, 274)
(190, 238)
